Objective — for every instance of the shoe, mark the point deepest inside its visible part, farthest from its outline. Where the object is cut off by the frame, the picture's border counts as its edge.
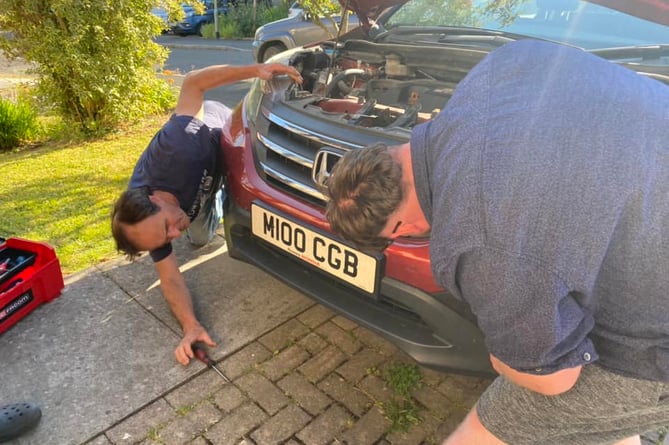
(17, 418)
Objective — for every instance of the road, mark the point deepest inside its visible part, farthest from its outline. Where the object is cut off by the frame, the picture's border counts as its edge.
(192, 52)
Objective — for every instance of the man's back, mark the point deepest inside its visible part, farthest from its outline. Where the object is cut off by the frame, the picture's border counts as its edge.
(558, 175)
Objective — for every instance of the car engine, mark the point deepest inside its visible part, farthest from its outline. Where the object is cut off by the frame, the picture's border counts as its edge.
(379, 85)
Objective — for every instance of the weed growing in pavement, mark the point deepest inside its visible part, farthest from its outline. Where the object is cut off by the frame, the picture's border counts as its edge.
(154, 436)
(402, 413)
(403, 378)
(182, 411)
(402, 410)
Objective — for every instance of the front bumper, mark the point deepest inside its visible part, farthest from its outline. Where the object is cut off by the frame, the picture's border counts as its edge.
(426, 329)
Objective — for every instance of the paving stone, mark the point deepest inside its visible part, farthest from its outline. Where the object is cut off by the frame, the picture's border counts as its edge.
(292, 442)
(194, 422)
(236, 425)
(461, 392)
(345, 323)
(136, 427)
(448, 425)
(326, 426)
(370, 428)
(199, 441)
(353, 399)
(246, 441)
(100, 440)
(322, 364)
(195, 390)
(228, 398)
(359, 365)
(281, 426)
(304, 393)
(284, 335)
(431, 377)
(284, 362)
(337, 336)
(244, 360)
(315, 316)
(313, 343)
(433, 400)
(659, 437)
(376, 388)
(263, 392)
(375, 341)
(423, 433)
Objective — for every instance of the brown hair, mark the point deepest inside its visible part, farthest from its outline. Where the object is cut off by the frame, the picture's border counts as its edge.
(365, 188)
(130, 208)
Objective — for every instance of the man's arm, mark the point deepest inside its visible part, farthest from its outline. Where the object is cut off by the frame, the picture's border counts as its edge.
(175, 291)
(548, 385)
(197, 82)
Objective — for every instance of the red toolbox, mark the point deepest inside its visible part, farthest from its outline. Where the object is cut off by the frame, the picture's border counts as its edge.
(29, 276)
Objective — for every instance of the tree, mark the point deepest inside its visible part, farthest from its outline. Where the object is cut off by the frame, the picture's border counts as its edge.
(316, 9)
(96, 59)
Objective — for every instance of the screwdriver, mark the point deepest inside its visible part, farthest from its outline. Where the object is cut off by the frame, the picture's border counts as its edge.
(202, 355)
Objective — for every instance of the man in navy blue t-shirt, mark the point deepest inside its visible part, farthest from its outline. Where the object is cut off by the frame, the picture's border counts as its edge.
(176, 187)
(544, 187)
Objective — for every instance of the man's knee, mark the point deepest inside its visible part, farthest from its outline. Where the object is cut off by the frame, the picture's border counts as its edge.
(472, 431)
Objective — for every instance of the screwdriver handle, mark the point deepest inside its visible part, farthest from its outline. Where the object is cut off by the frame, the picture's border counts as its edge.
(201, 355)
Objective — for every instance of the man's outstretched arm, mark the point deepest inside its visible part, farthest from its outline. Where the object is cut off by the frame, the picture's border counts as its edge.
(197, 82)
(175, 291)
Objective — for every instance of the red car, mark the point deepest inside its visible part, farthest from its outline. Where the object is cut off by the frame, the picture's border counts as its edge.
(375, 84)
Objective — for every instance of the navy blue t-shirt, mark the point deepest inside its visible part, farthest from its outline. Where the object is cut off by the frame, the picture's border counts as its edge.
(546, 182)
(184, 158)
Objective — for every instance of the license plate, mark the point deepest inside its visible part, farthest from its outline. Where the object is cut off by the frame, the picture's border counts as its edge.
(343, 262)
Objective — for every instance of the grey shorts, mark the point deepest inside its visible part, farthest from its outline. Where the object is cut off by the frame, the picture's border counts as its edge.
(602, 408)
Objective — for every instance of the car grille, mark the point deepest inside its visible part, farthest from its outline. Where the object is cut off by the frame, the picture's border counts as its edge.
(286, 143)
(288, 158)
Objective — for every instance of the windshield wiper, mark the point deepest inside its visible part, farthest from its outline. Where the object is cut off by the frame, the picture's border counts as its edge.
(453, 34)
(643, 52)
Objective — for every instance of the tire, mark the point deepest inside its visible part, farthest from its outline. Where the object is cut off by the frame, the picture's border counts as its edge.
(271, 50)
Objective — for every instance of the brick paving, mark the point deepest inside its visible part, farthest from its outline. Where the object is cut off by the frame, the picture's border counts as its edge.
(316, 379)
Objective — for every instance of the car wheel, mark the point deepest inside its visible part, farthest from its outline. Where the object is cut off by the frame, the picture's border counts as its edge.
(198, 30)
(271, 51)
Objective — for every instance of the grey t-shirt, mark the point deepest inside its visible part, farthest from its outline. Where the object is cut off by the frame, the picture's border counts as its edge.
(546, 182)
(184, 158)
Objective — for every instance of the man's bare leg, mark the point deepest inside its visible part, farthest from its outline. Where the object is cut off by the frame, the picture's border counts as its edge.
(472, 431)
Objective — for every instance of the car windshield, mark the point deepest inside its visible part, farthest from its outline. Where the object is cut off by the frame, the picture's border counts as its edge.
(577, 23)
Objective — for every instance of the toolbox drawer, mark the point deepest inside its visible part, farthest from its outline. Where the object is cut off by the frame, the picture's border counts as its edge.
(29, 276)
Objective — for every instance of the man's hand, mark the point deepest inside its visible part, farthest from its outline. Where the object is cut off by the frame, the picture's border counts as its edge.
(269, 70)
(184, 352)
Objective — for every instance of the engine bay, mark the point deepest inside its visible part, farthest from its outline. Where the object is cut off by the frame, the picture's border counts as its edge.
(378, 85)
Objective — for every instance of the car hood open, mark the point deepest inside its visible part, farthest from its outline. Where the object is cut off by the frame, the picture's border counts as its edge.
(653, 10)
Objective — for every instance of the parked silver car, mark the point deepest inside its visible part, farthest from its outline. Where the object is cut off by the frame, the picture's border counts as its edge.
(296, 30)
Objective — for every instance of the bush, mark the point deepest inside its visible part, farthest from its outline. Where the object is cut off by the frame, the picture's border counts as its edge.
(96, 59)
(18, 123)
(239, 21)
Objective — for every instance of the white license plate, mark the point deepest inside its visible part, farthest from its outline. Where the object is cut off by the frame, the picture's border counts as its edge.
(339, 260)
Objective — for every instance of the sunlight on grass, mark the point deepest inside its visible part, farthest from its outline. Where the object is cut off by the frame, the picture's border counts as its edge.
(62, 193)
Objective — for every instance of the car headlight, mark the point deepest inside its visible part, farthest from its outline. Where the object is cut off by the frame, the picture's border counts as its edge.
(261, 88)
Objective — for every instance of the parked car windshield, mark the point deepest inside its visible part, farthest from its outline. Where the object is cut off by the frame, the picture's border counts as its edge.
(577, 23)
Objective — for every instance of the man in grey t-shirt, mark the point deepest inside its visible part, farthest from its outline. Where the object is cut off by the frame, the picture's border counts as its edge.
(176, 187)
(544, 186)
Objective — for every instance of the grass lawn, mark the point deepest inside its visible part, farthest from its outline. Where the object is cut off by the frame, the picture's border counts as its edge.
(61, 193)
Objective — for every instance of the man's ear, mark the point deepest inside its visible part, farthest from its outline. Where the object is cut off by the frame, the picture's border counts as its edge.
(157, 200)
